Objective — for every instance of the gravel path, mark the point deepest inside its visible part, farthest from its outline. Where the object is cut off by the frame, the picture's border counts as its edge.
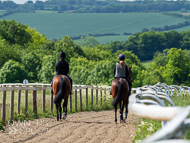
(80, 127)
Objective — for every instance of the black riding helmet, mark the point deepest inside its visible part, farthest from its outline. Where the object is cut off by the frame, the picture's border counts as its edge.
(62, 54)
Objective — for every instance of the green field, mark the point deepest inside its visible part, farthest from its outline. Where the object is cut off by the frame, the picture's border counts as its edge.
(57, 25)
(107, 39)
(1, 12)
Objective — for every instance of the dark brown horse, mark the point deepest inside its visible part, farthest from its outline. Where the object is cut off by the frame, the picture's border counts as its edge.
(61, 89)
(120, 94)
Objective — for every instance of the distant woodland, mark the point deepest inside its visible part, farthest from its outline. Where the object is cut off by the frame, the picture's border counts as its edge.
(97, 6)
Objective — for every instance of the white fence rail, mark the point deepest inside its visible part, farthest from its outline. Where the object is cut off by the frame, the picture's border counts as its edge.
(148, 102)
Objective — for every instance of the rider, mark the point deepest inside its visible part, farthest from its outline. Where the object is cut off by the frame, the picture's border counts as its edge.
(121, 71)
(62, 67)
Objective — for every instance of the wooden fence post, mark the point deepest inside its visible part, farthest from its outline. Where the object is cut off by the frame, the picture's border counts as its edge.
(101, 96)
(86, 96)
(92, 96)
(80, 98)
(44, 98)
(105, 94)
(96, 95)
(18, 103)
(12, 103)
(75, 98)
(26, 101)
(4, 106)
(34, 101)
(51, 101)
(71, 103)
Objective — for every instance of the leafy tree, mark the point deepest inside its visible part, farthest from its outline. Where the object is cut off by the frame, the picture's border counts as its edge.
(69, 47)
(14, 33)
(177, 69)
(47, 71)
(36, 37)
(183, 10)
(29, 2)
(7, 52)
(12, 72)
(89, 40)
(32, 64)
(55, 8)
(160, 59)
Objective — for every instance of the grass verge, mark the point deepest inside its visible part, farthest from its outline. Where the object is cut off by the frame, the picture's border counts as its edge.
(148, 127)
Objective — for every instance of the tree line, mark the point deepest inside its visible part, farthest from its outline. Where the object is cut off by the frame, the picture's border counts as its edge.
(96, 6)
(25, 53)
(145, 44)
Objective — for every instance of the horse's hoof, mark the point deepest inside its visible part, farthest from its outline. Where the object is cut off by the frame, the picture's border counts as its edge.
(64, 118)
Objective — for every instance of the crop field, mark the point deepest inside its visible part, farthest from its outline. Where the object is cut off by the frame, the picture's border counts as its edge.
(57, 25)
(1, 12)
(107, 39)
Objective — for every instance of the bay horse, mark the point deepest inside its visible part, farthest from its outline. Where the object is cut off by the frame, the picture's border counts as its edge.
(120, 95)
(61, 90)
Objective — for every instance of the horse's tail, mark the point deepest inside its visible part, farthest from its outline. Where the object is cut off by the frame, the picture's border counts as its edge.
(119, 95)
(62, 90)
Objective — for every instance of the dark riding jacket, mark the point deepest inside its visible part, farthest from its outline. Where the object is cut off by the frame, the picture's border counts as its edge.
(62, 67)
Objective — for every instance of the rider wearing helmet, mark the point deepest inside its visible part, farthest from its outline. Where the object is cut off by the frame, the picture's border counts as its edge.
(121, 70)
(62, 67)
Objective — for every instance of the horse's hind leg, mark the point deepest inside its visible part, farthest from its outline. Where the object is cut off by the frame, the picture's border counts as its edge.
(121, 105)
(115, 114)
(126, 112)
(60, 110)
(57, 111)
(65, 108)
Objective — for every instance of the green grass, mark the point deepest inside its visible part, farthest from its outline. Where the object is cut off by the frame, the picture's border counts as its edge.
(147, 63)
(148, 127)
(55, 25)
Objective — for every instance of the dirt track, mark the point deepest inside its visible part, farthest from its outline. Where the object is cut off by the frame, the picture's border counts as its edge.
(80, 127)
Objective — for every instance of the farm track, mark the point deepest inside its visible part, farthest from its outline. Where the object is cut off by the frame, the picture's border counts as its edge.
(80, 127)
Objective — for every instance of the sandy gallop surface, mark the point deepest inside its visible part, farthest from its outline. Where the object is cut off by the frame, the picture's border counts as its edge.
(92, 127)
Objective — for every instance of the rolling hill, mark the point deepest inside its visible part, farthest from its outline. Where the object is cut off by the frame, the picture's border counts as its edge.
(57, 25)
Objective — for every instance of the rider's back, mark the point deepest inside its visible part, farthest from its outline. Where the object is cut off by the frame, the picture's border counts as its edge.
(62, 67)
(119, 72)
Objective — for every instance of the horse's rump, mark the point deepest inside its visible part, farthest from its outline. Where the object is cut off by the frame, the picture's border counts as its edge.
(119, 88)
(60, 83)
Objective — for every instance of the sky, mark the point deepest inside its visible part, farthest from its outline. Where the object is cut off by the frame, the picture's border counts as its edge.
(23, 1)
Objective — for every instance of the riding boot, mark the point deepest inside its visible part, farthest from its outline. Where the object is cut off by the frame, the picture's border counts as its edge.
(51, 88)
(110, 92)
